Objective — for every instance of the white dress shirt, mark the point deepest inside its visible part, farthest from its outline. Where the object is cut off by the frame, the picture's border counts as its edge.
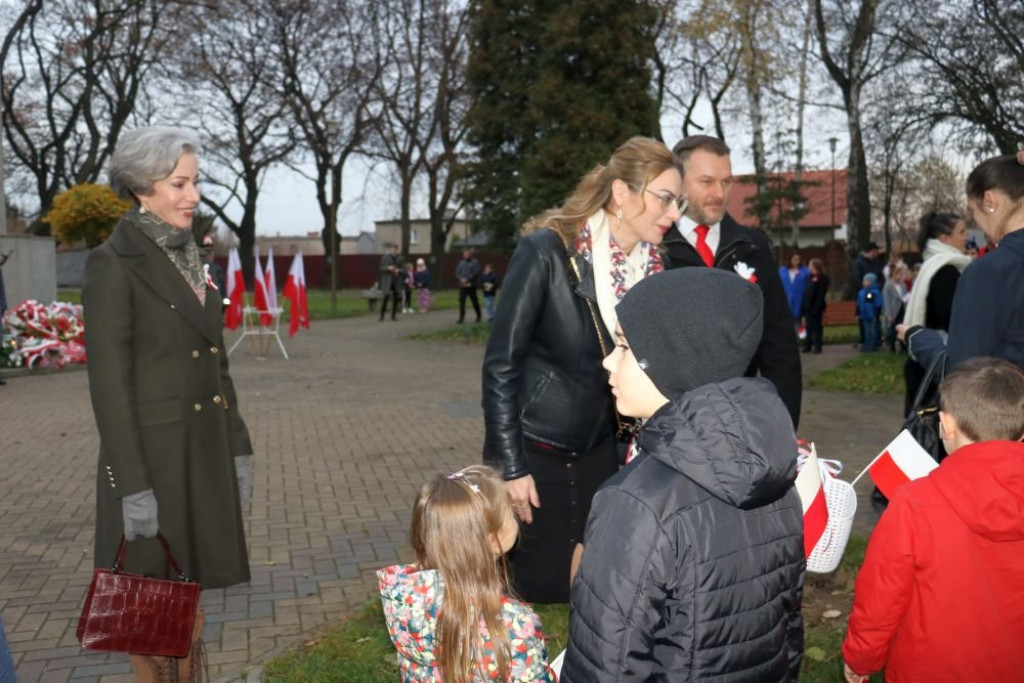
(688, 229)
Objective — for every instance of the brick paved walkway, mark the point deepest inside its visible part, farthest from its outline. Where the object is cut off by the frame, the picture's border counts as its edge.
(345, 433)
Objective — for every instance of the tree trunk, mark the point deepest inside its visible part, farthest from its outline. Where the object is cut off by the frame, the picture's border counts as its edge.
(859, 200)
(801, 102)
(752, 84)
(405, 201)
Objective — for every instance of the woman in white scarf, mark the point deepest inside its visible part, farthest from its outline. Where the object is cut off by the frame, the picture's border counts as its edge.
(942, 238)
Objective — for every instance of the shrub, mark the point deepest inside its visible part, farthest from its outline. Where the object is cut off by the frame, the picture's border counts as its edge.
(86, 212)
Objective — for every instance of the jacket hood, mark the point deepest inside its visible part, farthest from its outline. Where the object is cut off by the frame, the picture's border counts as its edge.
(409, 597)
(734, 439)
(984, 484)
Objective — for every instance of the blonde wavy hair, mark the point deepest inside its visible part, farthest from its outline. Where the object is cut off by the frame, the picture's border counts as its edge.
(636, 162)
(454, 522)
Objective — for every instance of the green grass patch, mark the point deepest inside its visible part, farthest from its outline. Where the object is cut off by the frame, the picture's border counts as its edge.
(841, 334)
(836, 334)
(467, 333)
(880, 372)
(359, 649)
(351, 302)
(71, 296)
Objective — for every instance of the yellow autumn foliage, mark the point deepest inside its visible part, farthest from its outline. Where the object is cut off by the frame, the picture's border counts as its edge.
(87, 212)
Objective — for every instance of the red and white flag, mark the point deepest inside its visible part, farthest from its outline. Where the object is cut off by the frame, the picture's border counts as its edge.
(812, 496)
(902, 461)
(295, 290)
(260, 301)
(270, 279)
(236, 292)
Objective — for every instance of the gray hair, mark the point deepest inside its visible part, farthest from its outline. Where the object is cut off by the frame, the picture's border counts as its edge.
(145, 155)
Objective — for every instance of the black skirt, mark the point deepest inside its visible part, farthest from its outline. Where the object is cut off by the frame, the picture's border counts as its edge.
(566, 484)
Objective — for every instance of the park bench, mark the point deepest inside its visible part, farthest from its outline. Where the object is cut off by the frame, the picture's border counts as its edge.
(840, 313)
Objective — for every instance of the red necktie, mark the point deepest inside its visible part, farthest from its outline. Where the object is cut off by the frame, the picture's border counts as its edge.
(702, 246)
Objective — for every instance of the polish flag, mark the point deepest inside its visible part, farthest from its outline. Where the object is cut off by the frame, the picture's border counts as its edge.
(270, 280)
(902, 461)
(236, 292)
(259, 292)
(812, 497)
(295, 289)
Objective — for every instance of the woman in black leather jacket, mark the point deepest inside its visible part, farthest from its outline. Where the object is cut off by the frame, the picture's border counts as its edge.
(550, 421)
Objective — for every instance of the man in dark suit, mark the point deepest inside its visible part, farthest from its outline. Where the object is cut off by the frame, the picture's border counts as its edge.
(707, 236)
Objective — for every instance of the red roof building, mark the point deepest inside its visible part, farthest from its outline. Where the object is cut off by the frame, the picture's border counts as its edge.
(826, 212)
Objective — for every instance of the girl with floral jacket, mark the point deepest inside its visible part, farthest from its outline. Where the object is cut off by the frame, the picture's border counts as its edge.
(450, 615)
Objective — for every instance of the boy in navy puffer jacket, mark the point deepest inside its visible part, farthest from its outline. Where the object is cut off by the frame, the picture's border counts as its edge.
(693, 562)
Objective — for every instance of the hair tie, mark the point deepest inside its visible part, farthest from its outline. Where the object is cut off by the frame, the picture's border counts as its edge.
(459, 475)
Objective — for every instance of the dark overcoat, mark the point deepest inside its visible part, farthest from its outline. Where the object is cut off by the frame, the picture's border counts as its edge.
(166, 411)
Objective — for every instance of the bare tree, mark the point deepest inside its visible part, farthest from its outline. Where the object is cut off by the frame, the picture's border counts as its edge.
(71, 77)
(232, 87)
(405, 92)
(329, 69)
(442, 148)
(697, 59)
(801, 106)
(855, 52)
(970, 72)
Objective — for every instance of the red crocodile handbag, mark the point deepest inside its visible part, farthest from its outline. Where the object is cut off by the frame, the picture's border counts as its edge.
(138, 614)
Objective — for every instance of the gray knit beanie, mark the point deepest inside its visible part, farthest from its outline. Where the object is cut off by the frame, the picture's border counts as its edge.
(692, 326)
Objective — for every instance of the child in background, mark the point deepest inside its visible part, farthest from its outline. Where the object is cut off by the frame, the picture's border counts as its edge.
(408, 278)
(450, 615)
(814, 305)
(893, 294)
(869, 308)
(421, 281)
(490, 284)
(939, 597)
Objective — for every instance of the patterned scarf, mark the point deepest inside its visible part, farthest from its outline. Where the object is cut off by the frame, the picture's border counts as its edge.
(620, 268)
(179, 246)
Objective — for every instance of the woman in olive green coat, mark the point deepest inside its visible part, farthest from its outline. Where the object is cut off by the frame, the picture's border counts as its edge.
(175, 455)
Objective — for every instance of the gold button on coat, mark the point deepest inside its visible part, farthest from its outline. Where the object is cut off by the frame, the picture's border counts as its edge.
(214, 350)
(216, 399)
(195, 353)
(198, 407)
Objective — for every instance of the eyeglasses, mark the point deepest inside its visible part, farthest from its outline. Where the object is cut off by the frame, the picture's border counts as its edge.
(669, 199)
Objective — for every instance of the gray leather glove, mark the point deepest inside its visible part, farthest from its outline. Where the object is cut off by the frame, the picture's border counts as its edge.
(139, 510)
(243, 473)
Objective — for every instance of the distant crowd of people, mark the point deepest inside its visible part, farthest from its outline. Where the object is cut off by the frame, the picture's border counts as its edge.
(398, 280)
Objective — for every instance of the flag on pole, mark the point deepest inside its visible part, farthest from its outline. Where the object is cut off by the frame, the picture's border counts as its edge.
(270, 278)
(259, 292)
(295, 290)
(902, 461)
(236, 292)
(812, 496)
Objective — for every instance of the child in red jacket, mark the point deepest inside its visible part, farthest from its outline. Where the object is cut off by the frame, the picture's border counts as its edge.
(941, 594)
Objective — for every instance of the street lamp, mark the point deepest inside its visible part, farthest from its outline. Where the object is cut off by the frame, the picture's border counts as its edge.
(832, 145)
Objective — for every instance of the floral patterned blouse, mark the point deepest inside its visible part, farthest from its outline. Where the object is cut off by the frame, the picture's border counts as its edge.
(411, 599)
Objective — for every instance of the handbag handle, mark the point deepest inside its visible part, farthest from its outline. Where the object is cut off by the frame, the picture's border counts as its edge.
(926, 383)
(122, 546)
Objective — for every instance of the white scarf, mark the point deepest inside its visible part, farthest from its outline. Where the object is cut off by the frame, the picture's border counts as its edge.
(936, 255)
(600, 234)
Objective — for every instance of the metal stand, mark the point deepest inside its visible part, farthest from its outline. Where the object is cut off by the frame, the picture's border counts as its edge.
(260, 336)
